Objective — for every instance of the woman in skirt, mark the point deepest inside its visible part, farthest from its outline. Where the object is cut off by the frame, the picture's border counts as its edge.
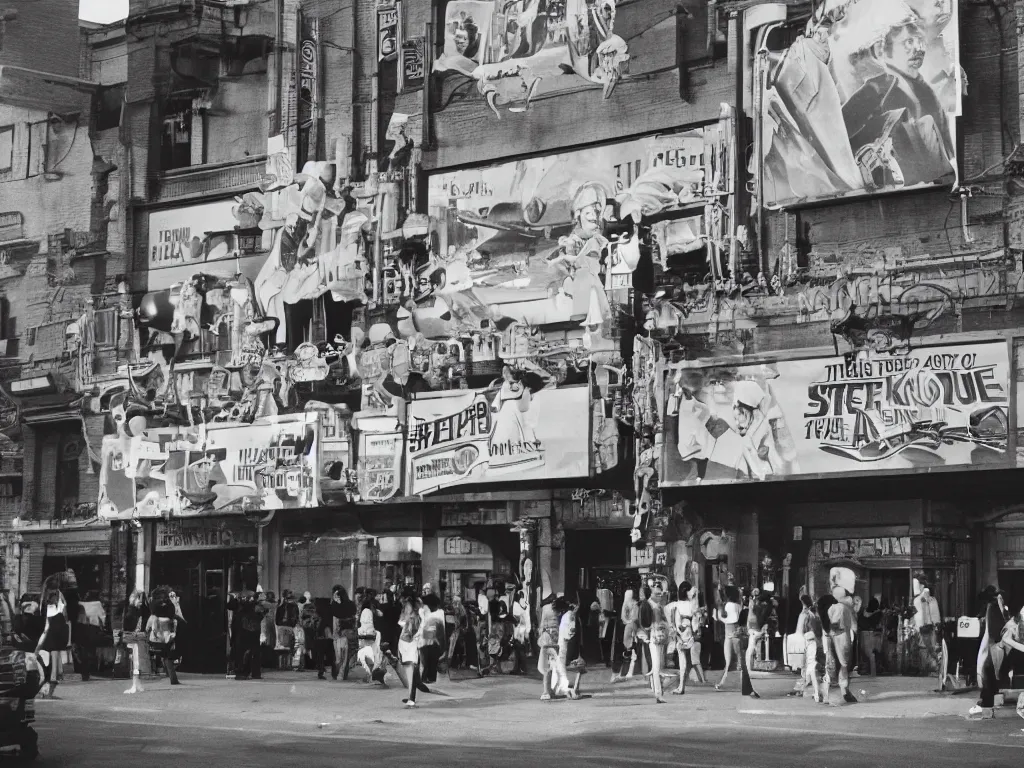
(162, 630)
(133, 635)
(54, 639)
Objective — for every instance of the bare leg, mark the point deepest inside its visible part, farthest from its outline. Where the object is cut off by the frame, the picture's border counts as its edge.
(657, 653)
(728, 661)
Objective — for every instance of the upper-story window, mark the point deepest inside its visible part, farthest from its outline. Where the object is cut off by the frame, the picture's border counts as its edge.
(6, 148)
(38, 144)
(176, 140)
(109, 101)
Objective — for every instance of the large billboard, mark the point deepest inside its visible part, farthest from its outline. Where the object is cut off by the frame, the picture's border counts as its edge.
(864, 101)
(506, 434)
(935, 407)
(269, 464)
(523, 241)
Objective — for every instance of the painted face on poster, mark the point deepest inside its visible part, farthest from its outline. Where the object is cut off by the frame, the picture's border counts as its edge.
(931, 408)
(887, 74)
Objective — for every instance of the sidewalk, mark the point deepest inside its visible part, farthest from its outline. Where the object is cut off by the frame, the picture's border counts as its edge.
(298, 701)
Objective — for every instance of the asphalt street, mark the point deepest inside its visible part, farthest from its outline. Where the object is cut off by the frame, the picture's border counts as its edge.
(296, 720)
(104, 742)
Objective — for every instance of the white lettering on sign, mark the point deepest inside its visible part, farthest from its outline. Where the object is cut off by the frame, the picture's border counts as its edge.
(474, 421)
(176, 234)
(459, 517)
(968, 626)
(459, 547)
(641, 558)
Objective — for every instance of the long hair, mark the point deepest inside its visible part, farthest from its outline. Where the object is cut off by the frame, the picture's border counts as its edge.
(51, 592)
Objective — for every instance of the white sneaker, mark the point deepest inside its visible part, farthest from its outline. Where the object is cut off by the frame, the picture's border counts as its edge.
(975, 711)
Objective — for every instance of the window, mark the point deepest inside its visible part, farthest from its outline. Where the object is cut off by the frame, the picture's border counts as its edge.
(38, 136)
(6, 148)
(176, 140)
(105, 327)
(109, 100)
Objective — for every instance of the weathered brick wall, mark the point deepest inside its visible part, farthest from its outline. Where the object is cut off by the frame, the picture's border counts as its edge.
(236, 127)
(44, 36)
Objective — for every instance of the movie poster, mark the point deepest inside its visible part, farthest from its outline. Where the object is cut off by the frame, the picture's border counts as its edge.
(269, 464)
(865, 101)
(935, 407)
(522, 49)
(523, 241)
(501, 435)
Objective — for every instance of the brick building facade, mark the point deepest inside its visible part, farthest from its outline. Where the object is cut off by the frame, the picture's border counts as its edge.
(63, 247)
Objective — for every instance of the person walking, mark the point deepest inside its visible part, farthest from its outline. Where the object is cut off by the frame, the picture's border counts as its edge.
(247, 616)
(840, 619)
(758, 610)
(88, 631)
(570, 649)
(629, 617)
(286, 619)
(133, 635)
(992, 652)
(55, 636)
(809, 626)
(685, 628)
(654, 632)
(161, 632)
(729, 615)
(409, 644)
(343, 618)
(553, 676)
(460, 626)
(433, 637)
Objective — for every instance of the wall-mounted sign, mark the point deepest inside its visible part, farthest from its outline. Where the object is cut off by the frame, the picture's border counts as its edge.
(337, 472)
(387, 32)
(884, 546)
(451, 547)
(203, 238)
(379, 468)
(179, 535)
(412, 70)
(524, 214)
(798, 533)
(595, 512)
(309, 66)
(641, 558)
(865, 101)
(934, 407)
(460, 516)
(272, 464)
(505, 435)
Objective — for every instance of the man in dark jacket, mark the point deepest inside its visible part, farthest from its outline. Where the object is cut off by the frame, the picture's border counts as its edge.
(248, 615)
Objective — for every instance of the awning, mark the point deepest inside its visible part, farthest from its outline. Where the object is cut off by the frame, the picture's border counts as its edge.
(51, 408)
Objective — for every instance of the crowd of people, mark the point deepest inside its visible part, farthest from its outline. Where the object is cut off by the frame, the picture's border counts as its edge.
(414, 635)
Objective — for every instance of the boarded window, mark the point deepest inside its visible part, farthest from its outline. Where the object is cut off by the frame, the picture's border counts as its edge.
(105, 327)
(6, 148)
(38, 137)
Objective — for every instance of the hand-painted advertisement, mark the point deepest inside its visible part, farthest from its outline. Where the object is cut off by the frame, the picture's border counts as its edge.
(524, 241)
(380, 458)
(504, 434)
(864, 101)
(932, 408)
(271, 464)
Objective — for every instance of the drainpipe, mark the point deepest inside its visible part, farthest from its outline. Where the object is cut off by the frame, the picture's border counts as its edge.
(278, 82)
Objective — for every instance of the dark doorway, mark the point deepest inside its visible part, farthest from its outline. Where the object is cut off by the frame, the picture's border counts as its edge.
(202, 580)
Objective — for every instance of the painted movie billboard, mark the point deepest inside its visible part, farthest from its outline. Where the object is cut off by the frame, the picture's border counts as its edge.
(270, 464)
(512, 432)
(933, 408)
(864, 101)
(523, 240)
